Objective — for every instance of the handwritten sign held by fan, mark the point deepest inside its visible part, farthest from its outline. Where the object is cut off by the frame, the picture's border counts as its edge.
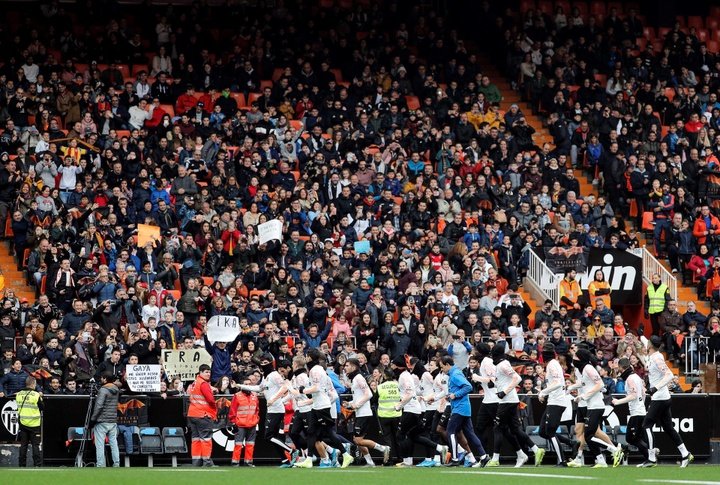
(147, 234)
(270, 230)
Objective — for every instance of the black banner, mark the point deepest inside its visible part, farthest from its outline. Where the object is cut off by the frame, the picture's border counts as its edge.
(562, 258)
(622, 270)
(696, 417)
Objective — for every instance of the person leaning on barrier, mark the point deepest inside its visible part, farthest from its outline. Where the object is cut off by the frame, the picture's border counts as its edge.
(30, 406)
(104, 417)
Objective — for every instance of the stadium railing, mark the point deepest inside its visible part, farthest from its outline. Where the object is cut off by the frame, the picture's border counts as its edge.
(697, 351)
(543, 279)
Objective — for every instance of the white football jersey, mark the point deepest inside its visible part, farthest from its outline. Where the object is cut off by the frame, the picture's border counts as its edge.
(440, 384)
(271, 386)
(407, 385)
(657, 369)
(635, 385)
(320, 380)
(487, 369)
(578, 379)
(360, 390)
(505, 376)
(298, 381)
(553, 374)
(590, 378)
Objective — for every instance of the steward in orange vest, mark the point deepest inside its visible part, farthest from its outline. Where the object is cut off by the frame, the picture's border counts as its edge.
(245, 414)
(201, 415)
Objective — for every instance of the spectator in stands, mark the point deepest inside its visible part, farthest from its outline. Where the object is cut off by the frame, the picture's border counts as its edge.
(607, 316)
(599, 289)
(671, 327)
(656, 298)
(691, 315)
(13, 381)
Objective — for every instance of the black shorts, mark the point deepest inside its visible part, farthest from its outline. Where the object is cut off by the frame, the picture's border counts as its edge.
(445, 417)
(580, 415)
(300, 421)
(635, 428)
(486, 417)
(274, 425)
(319, 419)
(551, 420)
(427, 419)
(657, 413)
(362, 424)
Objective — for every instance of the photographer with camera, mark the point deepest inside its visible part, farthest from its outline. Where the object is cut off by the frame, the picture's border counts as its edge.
(104, 419)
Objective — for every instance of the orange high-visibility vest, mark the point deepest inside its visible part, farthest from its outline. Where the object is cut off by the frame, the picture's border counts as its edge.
(199, 406)
(247, 409)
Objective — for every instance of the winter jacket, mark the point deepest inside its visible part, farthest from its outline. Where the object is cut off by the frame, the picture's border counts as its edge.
(13, 382)
(106, 404)
(460, 387)
(220, 358)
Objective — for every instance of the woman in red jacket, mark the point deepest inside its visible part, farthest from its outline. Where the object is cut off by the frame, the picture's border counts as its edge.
(230, 238)
(699, 265)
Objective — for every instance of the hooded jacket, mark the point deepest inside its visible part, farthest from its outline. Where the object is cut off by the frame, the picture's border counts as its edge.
(106, 404)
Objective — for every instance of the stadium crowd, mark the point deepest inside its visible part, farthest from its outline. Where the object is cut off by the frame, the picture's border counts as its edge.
(378, 127)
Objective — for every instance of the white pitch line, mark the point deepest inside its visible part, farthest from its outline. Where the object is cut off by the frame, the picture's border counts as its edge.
(344, 470)
(531, 475)
(162, 469)
(686, 482)
(168, 469)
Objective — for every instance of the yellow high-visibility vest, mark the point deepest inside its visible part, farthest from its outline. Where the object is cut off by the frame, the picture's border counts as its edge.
(28, 409)
(657, 298)
(388, 397)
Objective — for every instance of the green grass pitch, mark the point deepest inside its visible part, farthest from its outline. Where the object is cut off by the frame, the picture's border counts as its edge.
(695, 474)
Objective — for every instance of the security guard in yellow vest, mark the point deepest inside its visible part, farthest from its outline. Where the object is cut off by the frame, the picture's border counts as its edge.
(389, 418)
(656, 298)
(29, 406)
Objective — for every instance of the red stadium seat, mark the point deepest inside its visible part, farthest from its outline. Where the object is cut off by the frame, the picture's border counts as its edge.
(695, 21)
(545, 6)
(647, 222)
(138, 68)
(526, 5)
(597, 8)
(239, 99)
(253, 97)
(413, 103)
(565, 4)
(582, 8)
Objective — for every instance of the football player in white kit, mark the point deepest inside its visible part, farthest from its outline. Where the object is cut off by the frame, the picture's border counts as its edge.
(485, 423)
(411, 431)
(556, 403)
(592, 386)
(635, 399)
(660, 412)
(581, 413)
(363, 412)
(507, 421)
(302, 404)
(274, 387)
(440, 406)
(321, 424)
